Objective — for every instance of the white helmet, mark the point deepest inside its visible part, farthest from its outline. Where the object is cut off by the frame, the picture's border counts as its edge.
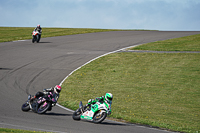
(109, 97)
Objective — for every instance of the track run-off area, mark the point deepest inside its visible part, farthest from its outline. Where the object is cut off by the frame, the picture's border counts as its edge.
(26, 68)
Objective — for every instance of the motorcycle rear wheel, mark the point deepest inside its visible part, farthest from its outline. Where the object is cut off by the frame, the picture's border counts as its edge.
(25, 107)
(77, 114)
(99, 117)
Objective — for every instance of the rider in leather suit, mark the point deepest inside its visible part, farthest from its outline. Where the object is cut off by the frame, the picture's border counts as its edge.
(53, 92)
(108, 98)
(39, 29)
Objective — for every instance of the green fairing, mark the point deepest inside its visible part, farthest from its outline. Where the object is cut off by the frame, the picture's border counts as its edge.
(94, 108)
(86, 117)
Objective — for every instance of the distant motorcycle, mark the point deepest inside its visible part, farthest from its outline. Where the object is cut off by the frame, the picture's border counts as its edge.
(36, 36)
(97, 113)
(40, 105)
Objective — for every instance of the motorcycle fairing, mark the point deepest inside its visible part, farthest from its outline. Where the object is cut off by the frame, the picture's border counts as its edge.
(87, 115)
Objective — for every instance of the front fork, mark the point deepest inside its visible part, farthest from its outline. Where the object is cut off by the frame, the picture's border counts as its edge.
(29, 101)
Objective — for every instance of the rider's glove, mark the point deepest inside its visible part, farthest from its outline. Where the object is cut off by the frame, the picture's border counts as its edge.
(90, 100)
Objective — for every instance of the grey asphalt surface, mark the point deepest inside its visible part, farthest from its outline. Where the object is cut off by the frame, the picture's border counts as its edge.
(26, 68)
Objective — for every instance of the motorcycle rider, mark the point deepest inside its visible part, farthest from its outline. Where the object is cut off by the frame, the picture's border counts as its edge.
(107, 98)
(53, 92)
(39, 29)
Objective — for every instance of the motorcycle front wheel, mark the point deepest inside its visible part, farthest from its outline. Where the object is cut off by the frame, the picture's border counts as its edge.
(25, 107)
(77, 114)
(43, 107)
(38, 38)
(33, 39)
(99, 117)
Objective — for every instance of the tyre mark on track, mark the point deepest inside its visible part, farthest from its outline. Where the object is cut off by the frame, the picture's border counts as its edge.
(21, 67)
(11, 71)
(29, 84)
(5, 71)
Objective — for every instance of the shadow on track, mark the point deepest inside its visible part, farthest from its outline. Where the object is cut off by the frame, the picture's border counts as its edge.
(57, 114)
(5, 68)
(114, 123)
(44, 42)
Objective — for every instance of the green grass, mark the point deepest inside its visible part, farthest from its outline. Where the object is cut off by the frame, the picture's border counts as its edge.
(158, 89)
(188, 43)
(23, 33)
(5, 130)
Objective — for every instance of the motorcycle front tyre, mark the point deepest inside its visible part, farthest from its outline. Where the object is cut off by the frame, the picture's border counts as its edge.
(25, 107)
(99, 119)
(33, 39)
(41, 110)
(38, 38)
(77, 114)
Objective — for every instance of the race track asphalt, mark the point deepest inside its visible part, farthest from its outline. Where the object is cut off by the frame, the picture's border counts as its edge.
(26, 68)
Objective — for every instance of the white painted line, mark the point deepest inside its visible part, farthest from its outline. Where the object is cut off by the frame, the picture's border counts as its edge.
(64, 107)
(20, 40)
(88, 63)
(95, 59)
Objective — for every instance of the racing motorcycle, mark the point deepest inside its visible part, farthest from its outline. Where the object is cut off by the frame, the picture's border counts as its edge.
(40, 105)
(96, 113)
(36, 36)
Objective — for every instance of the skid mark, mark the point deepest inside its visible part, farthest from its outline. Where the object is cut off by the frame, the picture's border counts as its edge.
(29, 84)
(21, 67)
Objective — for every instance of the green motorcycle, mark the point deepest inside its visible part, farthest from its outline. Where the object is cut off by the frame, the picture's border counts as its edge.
(97, 113)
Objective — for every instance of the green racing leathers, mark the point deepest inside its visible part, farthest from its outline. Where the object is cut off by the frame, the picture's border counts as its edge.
(98, 99)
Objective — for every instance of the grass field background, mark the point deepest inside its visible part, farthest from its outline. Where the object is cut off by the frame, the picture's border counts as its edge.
(5, 130)
(158, 89)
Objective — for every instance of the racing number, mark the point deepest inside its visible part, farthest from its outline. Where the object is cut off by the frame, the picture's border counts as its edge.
(95, 107)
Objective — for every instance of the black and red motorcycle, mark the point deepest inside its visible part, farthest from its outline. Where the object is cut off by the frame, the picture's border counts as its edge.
(38, 105)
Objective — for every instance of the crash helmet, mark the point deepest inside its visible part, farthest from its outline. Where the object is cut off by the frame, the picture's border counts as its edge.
(57, 89)
(109, 97)
(38, 26)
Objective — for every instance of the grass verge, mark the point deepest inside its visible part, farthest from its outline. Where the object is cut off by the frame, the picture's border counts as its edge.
(5, 130)
(158, 89)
